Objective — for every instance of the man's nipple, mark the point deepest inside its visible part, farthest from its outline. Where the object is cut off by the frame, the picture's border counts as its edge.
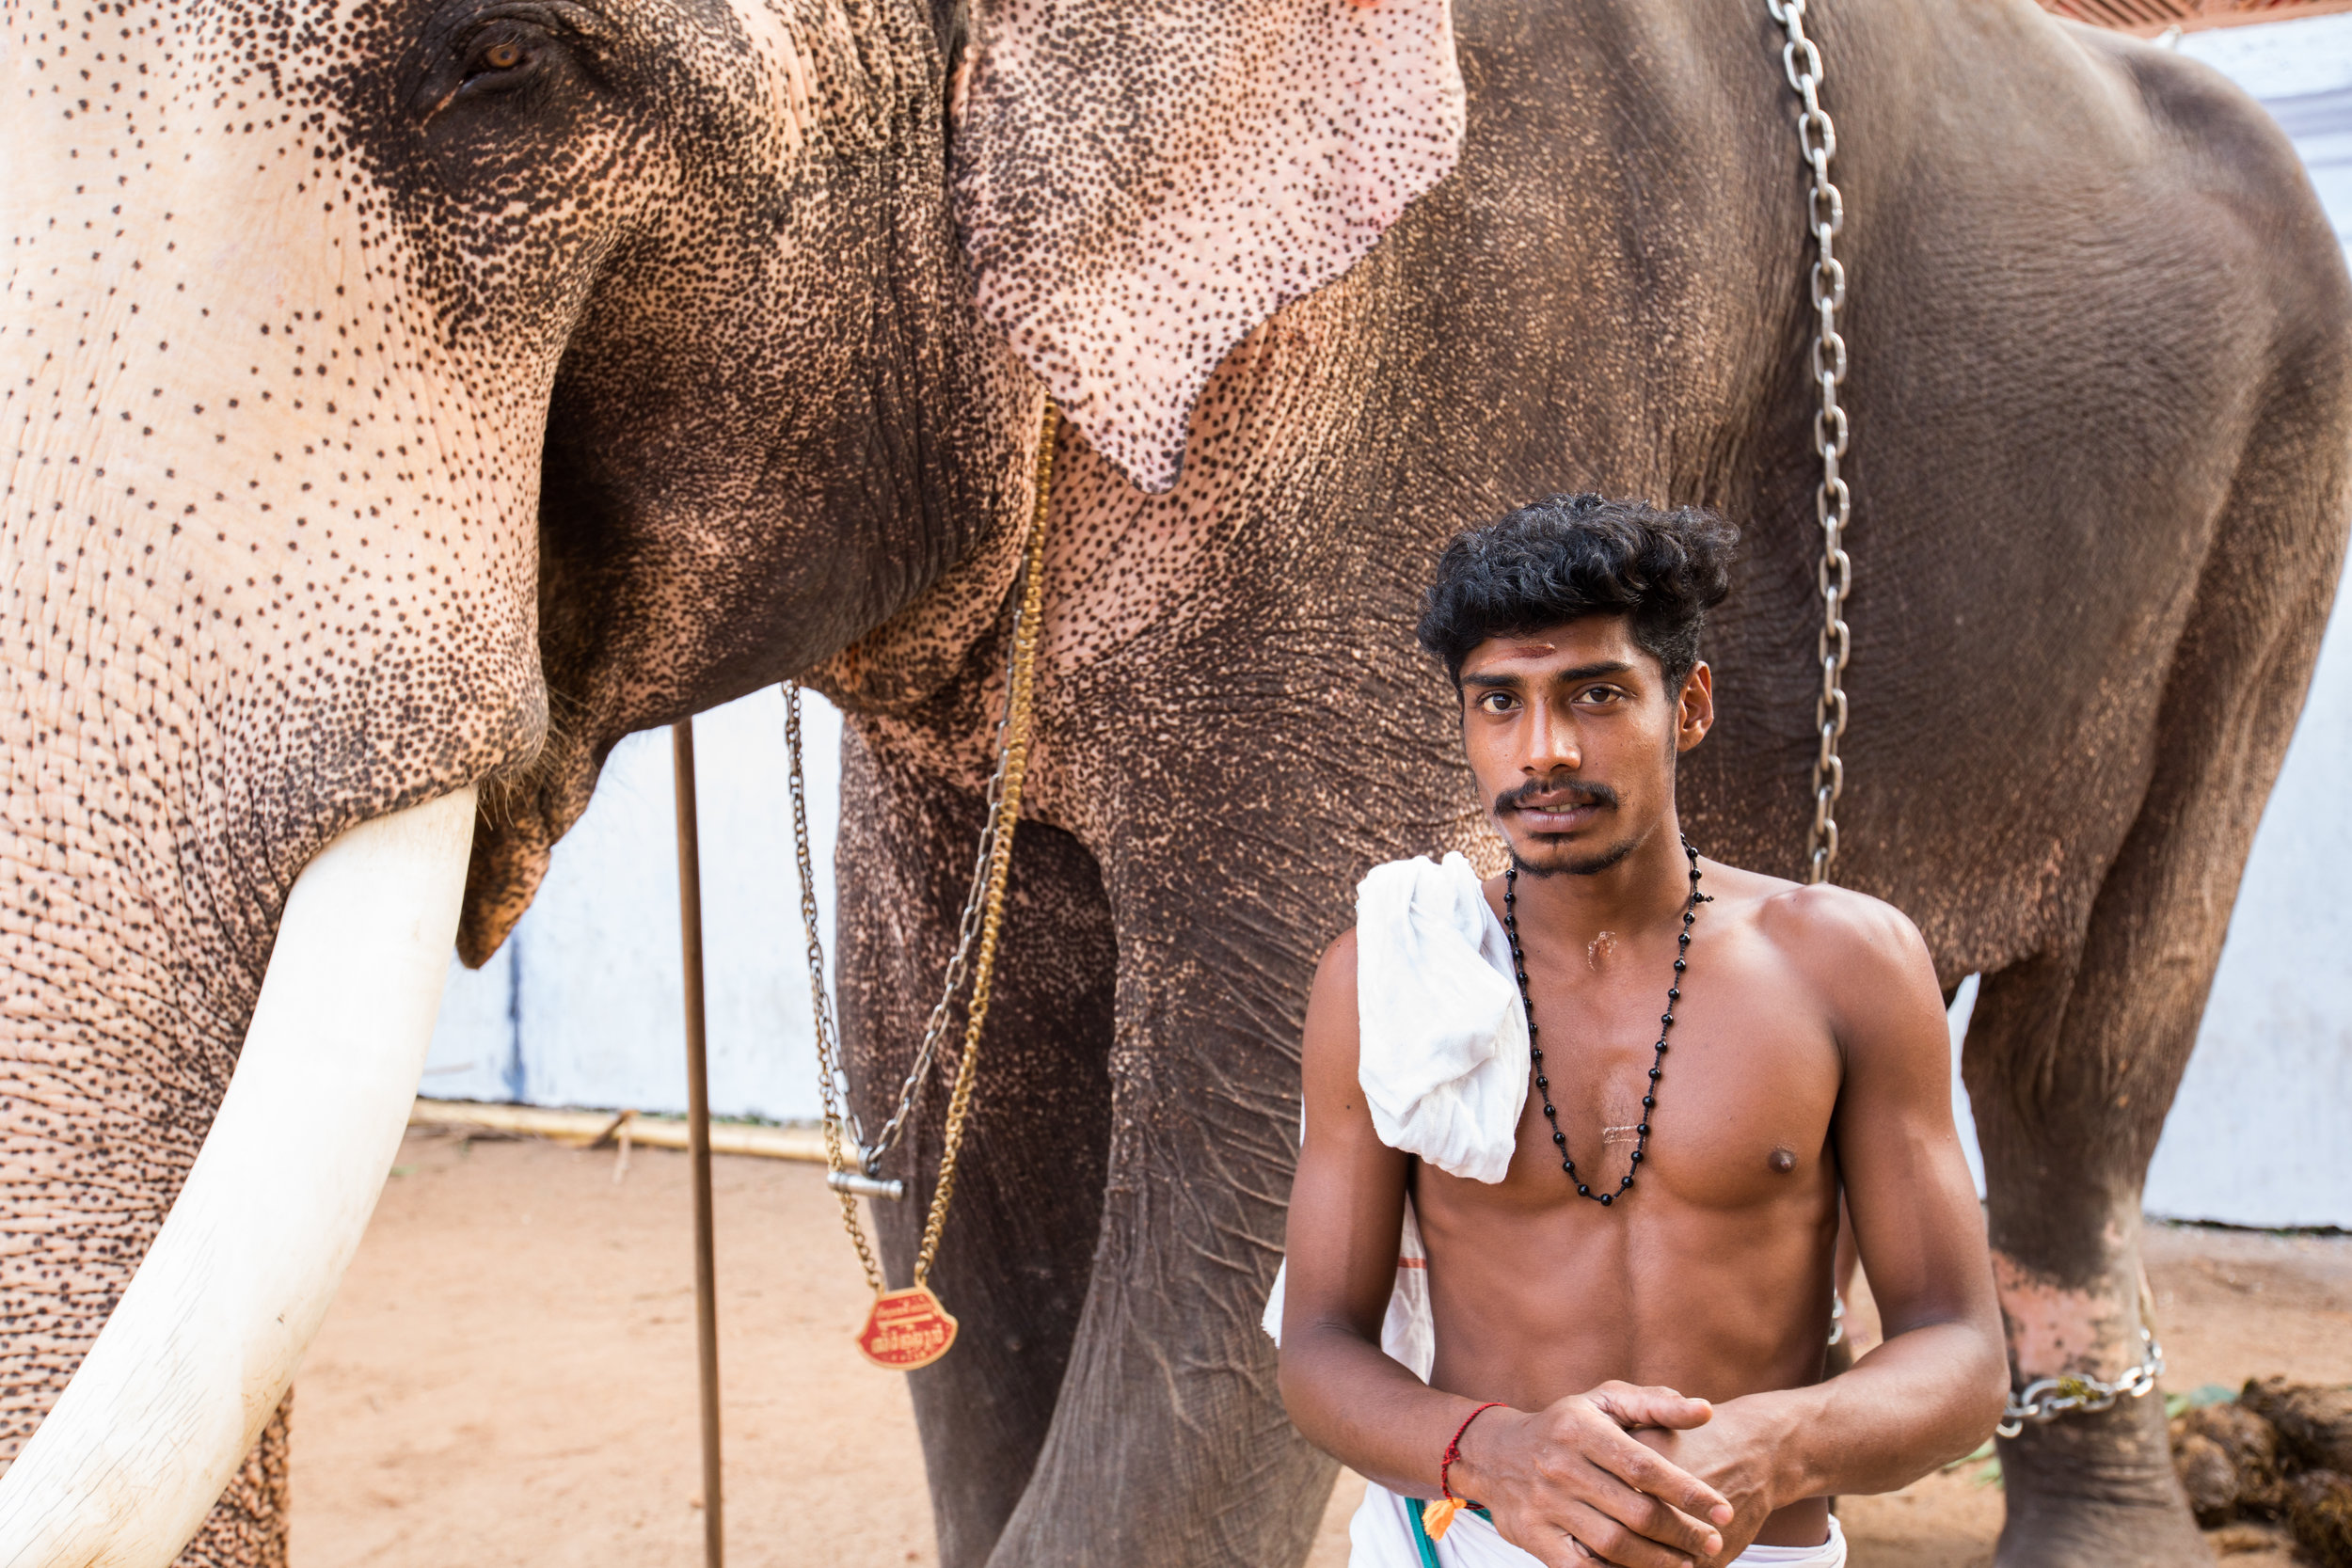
(1782, 1161)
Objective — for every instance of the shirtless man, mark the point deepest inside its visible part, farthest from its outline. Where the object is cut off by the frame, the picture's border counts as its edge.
(1650, 1326)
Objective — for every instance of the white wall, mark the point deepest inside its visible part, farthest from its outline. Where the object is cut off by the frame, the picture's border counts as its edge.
(582, 1006)
(2261, 1132)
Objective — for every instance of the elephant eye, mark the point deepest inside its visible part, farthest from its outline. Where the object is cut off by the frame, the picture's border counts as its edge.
(499, 60)
(484, 51)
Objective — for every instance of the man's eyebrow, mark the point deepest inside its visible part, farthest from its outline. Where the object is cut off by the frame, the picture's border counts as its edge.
(1580, 672)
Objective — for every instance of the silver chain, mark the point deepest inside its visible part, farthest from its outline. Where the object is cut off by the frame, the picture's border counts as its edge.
(2044, 1399)
(832, 1077)
(1800, 58)
(2047, 1397)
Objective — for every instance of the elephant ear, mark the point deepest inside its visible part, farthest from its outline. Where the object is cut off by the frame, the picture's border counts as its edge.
(1139, 184)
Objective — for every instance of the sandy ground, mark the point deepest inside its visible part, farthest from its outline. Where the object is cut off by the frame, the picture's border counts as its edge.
(508, 1376)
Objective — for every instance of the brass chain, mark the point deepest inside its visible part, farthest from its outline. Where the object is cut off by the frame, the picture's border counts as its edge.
(1015, 770)
(1833, 505)
(871, 1151)
(983, 913)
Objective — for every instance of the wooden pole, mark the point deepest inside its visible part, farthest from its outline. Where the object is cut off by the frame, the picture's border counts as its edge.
(689, 911)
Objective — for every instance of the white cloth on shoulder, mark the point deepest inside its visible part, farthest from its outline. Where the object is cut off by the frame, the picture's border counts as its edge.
(1381, 1536)
(1442, 1055)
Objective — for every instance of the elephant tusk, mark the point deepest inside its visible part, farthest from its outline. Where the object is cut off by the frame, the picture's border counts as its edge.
(204, 1342)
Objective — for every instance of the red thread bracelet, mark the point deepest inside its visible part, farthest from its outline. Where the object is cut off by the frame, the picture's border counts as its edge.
(1454, 1449)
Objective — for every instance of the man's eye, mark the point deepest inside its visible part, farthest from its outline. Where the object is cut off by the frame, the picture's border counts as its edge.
(1495, 701)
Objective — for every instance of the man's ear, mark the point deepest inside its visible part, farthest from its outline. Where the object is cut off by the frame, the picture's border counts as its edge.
(1695, 709)
(1139, 185)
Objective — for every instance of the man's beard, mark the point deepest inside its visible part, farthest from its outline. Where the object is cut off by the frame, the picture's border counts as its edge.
(1590, 865)
(1594, 794)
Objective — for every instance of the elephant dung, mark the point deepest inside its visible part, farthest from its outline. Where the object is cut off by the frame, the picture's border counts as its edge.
(2228, 1460)
(2208, 1478)
(2319, 1506)
(2314, 1423)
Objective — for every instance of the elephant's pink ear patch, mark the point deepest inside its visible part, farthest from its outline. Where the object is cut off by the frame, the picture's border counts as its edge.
(1139, 185)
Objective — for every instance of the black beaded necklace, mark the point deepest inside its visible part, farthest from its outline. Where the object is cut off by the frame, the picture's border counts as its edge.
(1665, 1023)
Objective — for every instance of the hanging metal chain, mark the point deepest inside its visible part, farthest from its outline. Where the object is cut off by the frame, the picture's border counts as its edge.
(869, 1151)
(1014, 771)
(1800, 58)
(2046, 1399)
(829, 1085)
(982, 919)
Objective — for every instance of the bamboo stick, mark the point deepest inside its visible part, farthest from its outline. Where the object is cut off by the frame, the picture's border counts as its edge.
(584, 1128)
(690, 909)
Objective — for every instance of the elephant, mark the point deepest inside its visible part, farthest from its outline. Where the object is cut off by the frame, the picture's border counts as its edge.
(410, 398)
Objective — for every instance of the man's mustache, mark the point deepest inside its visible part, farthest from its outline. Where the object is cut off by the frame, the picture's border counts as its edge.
(1578, 793)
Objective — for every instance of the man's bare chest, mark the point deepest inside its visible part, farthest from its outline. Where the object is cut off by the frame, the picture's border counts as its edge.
(1740, 1109)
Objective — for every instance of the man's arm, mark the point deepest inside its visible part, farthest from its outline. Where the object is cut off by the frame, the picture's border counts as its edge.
(1567, 1470)
(1933, 1389)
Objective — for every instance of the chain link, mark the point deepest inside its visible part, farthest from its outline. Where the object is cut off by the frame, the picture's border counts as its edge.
(982, 919)
(869, 1151)
(1014, 770)
(2046, 1399)
(820, 1006)
(1833, 504)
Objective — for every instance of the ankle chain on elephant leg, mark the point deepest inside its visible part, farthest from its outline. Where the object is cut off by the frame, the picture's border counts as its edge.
(2046, 1399)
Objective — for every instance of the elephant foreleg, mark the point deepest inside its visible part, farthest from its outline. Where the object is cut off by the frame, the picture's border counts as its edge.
(1020, 1238)
(1171, 1447)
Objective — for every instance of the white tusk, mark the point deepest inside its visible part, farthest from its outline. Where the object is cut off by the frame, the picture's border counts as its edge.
(203, 1343)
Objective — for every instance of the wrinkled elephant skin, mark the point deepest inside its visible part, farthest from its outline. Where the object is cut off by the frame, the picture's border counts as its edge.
(299, 310)
(408, 394)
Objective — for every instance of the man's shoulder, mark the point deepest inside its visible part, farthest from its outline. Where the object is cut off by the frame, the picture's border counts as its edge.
(1335, 973)
(1860, 958)
(1822, 924)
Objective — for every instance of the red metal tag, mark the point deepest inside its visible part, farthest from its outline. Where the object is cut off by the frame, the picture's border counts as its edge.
(906, 1329)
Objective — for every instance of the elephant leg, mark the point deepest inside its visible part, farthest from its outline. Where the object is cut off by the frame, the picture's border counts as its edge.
(2072, 1057)
(247, 1528)
(1171, 1447)
(1020, 1237)
(2062, 1113)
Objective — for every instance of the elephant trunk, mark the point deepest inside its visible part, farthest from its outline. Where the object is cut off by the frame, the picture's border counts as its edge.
(203, 1343)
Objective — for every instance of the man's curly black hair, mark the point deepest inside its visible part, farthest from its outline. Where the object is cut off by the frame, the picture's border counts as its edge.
(1567, 557)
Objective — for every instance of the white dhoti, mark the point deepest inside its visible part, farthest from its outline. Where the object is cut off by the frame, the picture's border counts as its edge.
(1382, 1536)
